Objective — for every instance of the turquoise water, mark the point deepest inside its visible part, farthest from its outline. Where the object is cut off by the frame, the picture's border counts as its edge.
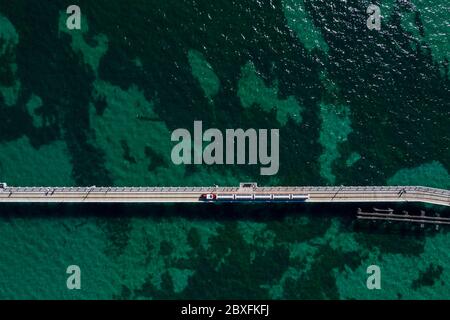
(97, 107)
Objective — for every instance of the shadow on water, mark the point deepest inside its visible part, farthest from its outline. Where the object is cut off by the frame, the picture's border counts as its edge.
(208, 211)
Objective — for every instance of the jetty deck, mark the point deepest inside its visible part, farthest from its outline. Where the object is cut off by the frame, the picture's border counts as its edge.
(317, 194)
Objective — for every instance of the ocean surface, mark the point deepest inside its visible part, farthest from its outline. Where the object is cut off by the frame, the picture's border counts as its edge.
(97, 106)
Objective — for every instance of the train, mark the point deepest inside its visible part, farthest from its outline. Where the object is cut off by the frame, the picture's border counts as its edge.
(251, 197)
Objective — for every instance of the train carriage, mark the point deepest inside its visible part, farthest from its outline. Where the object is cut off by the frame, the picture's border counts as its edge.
(239, 197)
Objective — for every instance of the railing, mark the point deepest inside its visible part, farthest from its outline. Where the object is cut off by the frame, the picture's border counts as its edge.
(317, 193)
(313, 189)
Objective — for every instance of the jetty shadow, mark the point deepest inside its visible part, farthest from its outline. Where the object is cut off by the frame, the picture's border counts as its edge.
(204, 211)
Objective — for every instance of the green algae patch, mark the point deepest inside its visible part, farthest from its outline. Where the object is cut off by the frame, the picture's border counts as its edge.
(143, 251)
(162, 247)
(32, 107)
(429, 23)
(315, 256)
(37, 249)
(432, 174)
(402, 275)
(9, 84)
(11, 94)
(204, 73)
(132, 137)
(253, 91)
(91, 55)
(300, 22)
(318, 260)
(301, 257)
(428, 277)
(336, 126)
(127, 129)
(256, 233)
(387, 7)
(180, 278)
(352, 159)
(138, 63)
(22, 164)
(129, 132)
(8, 35)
